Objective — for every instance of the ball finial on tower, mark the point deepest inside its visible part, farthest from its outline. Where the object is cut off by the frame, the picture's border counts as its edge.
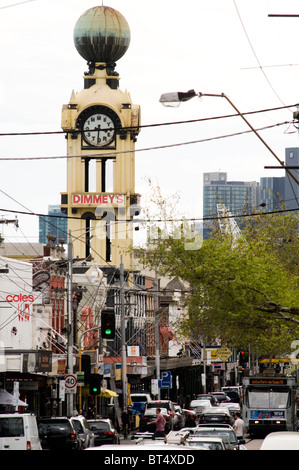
(102, 34)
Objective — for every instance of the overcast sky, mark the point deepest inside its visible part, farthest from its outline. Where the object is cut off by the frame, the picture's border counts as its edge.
(211, 46)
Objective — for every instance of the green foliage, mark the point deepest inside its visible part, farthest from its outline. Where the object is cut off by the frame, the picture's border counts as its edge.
(240, 289)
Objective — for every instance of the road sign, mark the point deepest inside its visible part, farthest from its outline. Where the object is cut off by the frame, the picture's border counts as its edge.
(224, 353)
(166, 379)
(70, 383)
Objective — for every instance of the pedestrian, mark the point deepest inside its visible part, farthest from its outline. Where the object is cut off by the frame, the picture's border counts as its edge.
(131, 418)
(125, 423)
(160, 424)
(239, 426)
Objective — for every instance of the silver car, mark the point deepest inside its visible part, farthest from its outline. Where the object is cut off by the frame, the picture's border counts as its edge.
(83, 429)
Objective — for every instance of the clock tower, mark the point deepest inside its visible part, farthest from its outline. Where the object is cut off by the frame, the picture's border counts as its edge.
(101, 125)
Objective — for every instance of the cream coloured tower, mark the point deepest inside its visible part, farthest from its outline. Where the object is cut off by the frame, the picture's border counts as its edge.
(101, 125)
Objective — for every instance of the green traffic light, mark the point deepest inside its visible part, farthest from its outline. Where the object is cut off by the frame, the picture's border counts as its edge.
(108, 331)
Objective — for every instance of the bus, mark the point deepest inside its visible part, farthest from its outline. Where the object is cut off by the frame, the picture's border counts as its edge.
(269, 403)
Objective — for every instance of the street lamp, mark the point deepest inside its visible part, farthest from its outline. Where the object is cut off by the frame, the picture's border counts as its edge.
(174, 99)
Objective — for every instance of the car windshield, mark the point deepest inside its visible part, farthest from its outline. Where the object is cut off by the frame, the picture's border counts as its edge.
(212, 432)
(138, 398)
(200, 403)
(152, 412)
(99, 426)
(54, 427)
(206, 445)
(156, 405)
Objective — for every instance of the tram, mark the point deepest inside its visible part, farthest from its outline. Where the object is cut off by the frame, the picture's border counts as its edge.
(269, 403)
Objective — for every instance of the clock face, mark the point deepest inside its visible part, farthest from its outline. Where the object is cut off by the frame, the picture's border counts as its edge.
(98, 129)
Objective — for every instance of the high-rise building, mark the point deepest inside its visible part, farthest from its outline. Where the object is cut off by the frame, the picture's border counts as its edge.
(291, 187)
(272, 192)
(55, 224)
(237, 196)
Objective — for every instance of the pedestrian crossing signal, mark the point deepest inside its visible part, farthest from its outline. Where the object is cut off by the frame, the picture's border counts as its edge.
(108, 324)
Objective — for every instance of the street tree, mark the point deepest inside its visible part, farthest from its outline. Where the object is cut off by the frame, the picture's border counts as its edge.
(240, 289)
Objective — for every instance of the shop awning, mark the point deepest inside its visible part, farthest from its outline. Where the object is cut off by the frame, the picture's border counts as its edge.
(8, 399)
(107, 393)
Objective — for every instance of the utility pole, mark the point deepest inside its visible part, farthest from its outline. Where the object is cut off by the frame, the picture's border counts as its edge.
(123, 335)
(70, 320)
(157, 336)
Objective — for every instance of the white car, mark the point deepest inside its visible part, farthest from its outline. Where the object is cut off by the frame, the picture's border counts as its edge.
(206, 442)
(281, 440)
(199, 406)
(19, 431)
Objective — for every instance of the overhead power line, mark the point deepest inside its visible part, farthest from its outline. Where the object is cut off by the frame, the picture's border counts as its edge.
(145, 126)
(112, 154)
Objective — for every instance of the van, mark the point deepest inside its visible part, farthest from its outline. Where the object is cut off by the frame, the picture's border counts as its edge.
(19, 432)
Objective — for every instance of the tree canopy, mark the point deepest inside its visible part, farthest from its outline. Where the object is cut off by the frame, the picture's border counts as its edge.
(242, 289)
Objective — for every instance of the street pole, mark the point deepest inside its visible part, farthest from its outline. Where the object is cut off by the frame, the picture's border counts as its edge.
(123, 335)
(80, 357)
(70, 401)
(204, 382)
(157, 336)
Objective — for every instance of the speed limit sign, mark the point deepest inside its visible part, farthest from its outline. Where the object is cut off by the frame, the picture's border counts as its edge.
(70, 383)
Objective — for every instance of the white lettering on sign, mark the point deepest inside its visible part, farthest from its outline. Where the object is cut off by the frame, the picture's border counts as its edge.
(96, 199)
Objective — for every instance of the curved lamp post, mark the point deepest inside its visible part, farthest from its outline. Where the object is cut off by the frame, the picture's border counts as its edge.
(174, 99)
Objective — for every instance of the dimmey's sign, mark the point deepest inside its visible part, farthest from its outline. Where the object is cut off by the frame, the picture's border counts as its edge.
(98, 199)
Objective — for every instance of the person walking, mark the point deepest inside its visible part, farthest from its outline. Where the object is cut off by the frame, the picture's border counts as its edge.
(125, 423)
(239, 426)
(160, 424)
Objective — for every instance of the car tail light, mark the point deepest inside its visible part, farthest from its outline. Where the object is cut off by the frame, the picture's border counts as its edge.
(108, 433)
(28, 445)
(73, 435)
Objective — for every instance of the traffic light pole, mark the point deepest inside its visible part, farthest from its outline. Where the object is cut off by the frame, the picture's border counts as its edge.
(80, 357)
(123, 335)
(157, 336)
(70, 401)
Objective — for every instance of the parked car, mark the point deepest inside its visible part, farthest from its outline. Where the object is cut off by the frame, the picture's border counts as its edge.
(58, 433)
(172, 419)
(146, 421)
(206, 442)
(199, 406)
(19, 432)
(104, 432)
(83, 429)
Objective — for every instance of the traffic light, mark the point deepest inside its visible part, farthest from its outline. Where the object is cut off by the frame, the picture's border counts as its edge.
(95, 384)
(108, 324)
(243, 359)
